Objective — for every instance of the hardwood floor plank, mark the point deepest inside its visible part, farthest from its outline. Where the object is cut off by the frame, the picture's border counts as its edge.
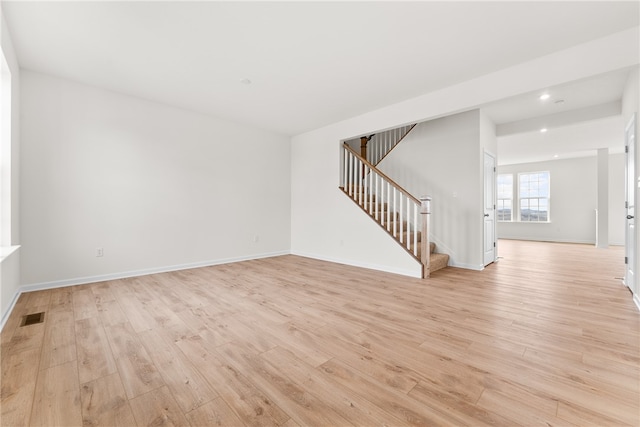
(95, 359)
(454, 376)
(518, 411)
(102, 292)
(39, 299)
(585, 416)
(138, 373)
(59, 342)
(464, 412)
(158, 408)
(296, 340)
(187, 385)
(214, 413)
(167, 320)
(136, 313)
(84, 304)
(352, 406)
(61, 300)
(110, 313)
(19, 376)
(251, 405)
(303, 407)
(408, 410)
(57, 397)
(386, 370)
(104, 403)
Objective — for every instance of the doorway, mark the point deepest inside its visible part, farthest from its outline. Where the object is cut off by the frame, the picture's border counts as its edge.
(489, 208)
(630, 232)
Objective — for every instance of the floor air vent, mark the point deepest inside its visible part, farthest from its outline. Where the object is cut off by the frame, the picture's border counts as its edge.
(32, 319)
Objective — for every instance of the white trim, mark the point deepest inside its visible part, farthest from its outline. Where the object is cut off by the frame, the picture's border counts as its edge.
(5, 251)
(94, 279)
(551, 240)
(5, 317)
(636, 299)
(144, 272)
(477, 267)
(417, 273)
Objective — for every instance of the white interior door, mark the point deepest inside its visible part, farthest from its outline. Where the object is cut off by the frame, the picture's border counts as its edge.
(630, 240)
(489, 208)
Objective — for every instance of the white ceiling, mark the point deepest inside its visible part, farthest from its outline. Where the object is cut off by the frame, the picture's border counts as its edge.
(310, 63)
(580, 117)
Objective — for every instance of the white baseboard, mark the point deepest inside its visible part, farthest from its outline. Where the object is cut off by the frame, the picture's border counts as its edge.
(529, 239)
(478, 267)
(5, 316)
(417, 273)
(114, 276)
(636, 299)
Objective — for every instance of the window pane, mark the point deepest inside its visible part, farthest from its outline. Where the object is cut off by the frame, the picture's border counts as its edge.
(533, 192)
(524, 210)
(505, 196)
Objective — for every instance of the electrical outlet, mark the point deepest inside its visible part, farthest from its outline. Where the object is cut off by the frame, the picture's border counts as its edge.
(99, 252)
(256, 238)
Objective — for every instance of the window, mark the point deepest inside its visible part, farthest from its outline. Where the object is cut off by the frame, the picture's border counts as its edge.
(505, 198)
(533, 192)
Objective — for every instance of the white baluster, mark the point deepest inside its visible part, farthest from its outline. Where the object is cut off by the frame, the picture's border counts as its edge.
(377, 150)
(415, 229)
(408, 223)
(360, 189)
(353, 176)
(370, 190)
(388, 207)
(395, 210)
(401, 219)
(345, 161)
(377, 204)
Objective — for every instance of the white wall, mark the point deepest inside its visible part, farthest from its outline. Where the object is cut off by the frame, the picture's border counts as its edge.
(631, 95)
(10, 266)
(441, 158)
(574, 195)
(157, 187)
(321, 218)
(326, 224)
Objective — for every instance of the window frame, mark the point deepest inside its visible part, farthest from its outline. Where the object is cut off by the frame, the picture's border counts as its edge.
(537, 197)
(499, 199)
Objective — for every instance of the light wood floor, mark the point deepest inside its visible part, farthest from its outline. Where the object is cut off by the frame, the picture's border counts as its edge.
(546, 336)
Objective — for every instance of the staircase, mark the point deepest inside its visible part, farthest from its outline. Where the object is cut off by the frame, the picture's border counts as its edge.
(377, 146)
(399, 213)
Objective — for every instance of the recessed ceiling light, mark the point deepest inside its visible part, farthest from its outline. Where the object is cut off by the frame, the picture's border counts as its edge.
(555, 156)
(544, 97)
(543, 130)
(245, 81)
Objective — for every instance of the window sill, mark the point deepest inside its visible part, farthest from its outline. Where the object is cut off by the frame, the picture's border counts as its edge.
(5, 251)
(524, 222)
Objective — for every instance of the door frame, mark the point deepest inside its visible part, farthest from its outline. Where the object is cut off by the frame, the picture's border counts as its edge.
(492, 211)
(631, 236)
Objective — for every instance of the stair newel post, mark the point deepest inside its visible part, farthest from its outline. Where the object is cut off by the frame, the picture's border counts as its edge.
(425, 247)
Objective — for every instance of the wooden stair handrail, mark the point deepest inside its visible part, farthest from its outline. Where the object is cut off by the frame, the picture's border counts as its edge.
(379, 172)
(396, 144)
